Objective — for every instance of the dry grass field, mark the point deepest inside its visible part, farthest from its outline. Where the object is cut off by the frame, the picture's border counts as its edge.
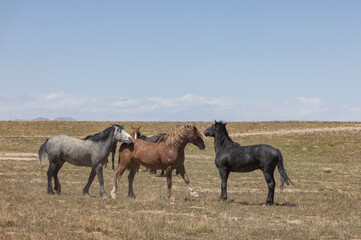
(323, 159)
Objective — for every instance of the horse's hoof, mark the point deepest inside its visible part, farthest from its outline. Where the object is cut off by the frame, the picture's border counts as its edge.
(194, 194)
(113, 194)
(222, 199)
(103, 196)
(267, 204)
(132, 196)
(51, 192)
(86, 195)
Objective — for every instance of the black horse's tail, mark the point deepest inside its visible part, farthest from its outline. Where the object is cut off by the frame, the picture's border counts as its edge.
(282, 171)
(42, 152)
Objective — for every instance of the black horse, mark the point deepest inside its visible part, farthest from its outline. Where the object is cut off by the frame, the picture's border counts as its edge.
(232, 157)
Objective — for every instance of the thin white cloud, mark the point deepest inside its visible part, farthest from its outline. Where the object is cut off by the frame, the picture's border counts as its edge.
(309, 101)
(189, 107)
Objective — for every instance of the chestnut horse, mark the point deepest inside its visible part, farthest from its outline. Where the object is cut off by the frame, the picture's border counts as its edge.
(136, 135)
(167, 154)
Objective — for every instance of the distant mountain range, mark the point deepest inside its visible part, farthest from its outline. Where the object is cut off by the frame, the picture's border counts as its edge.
(48, 119)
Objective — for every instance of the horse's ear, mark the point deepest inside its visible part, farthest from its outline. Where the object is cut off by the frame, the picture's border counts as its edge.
(139, 127)
(132, 127)
(225, 124)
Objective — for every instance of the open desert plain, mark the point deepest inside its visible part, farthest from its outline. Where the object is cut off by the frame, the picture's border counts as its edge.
(323, 160)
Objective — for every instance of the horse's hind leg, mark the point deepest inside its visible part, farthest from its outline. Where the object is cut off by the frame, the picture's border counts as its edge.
(50, 173)
(182, 172)
(113, 154)
(271, 187)
(133, 170)
(90, 180)
(57, 187)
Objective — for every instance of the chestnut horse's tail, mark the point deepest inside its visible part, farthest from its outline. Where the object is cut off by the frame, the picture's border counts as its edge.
(42, 152)
(282, 171)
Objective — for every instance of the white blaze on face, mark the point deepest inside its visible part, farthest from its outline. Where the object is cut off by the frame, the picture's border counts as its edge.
(135, 136)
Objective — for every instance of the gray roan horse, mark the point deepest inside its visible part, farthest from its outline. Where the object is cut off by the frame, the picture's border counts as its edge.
(92, 151)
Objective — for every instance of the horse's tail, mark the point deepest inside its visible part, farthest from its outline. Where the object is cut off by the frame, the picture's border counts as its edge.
(282, 171)
(42, 152)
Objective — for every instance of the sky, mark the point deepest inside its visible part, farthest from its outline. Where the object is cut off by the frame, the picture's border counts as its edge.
(181, 60)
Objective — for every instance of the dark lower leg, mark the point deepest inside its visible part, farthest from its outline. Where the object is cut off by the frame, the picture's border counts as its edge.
(57, 187)
(133, 171)
(224, 176)
(50, 174)
(90, 180)
(271, 188)
(99, 172)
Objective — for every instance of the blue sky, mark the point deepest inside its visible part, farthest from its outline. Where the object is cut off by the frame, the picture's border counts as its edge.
(181, 60)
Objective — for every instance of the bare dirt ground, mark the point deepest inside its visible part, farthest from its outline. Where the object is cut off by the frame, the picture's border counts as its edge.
(299, 131)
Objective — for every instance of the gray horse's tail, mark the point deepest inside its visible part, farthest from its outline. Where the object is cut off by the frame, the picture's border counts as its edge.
(42, 152)
(282, 171)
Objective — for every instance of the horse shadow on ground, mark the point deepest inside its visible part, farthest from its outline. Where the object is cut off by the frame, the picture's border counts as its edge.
(244, 203)
(286, 204)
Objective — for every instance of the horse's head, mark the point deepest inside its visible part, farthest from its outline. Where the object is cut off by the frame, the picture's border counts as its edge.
(194, 136)
(136, 133)
(215, 128)
(121, 135)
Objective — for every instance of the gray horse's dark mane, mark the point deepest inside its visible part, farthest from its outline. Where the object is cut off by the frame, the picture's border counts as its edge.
(102, 136)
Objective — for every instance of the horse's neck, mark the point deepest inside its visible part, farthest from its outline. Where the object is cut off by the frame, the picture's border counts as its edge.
(108, 143)
(221, 141)
(179, 149)
(182, 147)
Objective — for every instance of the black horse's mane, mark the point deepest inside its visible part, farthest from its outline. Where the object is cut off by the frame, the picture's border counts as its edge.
(102, 136)
(226, 138)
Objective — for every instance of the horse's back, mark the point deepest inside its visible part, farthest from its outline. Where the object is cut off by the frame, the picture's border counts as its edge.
(248, 158)
(69, 149)
(63, 142)
(146, 153)
(143, 147)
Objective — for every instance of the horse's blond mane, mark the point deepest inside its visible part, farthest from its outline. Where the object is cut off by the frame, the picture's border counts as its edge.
(179, 134)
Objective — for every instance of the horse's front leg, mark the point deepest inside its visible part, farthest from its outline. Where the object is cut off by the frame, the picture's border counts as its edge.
(99, 172)
(133, 170)
(169, 182)
(182, 172)
(90, 180)
(224, 172)
(113, 154)
(117, 174)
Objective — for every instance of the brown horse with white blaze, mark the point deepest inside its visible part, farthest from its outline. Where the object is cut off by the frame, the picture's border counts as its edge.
(166, 154)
